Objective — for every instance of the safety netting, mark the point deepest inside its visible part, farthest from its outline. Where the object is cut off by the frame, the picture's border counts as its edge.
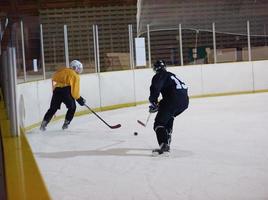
(228, 16)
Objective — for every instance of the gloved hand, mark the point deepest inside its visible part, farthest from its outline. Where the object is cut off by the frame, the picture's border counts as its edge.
(81, 101)
(153, 107)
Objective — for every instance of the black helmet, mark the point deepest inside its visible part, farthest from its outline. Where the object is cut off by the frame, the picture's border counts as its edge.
(159, 65)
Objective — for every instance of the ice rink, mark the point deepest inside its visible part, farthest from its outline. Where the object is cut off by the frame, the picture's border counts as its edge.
(219, 151)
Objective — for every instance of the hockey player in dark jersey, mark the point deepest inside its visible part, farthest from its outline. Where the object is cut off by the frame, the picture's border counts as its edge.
(174, 101)
(66, 89)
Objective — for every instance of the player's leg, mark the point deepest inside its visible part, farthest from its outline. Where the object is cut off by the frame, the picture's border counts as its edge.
(169, 128)
(69, 101)
(54, 106)
(161, 120)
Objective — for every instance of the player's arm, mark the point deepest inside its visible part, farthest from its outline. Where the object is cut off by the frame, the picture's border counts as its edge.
(75, 86)
(155, 88)
(75, 90)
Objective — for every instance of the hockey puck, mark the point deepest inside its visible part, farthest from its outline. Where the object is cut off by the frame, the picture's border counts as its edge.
(135, 133)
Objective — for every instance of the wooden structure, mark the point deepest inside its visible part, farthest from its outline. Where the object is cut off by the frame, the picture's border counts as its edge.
(111, 16)
(112, 24)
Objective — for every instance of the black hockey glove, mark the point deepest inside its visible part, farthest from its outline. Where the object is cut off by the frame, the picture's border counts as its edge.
(153, 107)
(81, 101)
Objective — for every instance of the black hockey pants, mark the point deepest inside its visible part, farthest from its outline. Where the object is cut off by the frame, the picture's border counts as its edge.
(61, 95)
(163, 124)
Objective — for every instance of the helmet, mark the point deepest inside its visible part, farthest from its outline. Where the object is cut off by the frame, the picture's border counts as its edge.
(77, 66)
(159, 65)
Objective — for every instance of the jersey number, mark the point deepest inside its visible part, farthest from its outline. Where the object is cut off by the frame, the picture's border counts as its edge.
(179, 84)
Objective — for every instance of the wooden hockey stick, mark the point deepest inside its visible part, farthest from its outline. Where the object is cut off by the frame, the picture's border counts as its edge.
(110, 126)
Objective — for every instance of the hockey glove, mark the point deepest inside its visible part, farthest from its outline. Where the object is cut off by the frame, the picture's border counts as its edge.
(81, 101)
(153, 107)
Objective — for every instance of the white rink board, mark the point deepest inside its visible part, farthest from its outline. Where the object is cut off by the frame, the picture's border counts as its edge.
(226, 78)
(121, 87)
(192, 76)
(260, 75)
(89, 89)
(116, 88)
(33, 100)
(142, 83)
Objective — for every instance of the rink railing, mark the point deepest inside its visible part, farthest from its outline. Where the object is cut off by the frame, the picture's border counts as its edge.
(177, 46)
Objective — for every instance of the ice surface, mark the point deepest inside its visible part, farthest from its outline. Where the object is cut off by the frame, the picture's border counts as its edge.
(219, 151)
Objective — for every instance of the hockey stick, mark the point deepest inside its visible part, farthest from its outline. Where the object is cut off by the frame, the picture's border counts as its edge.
(144, 124)
(112, 127)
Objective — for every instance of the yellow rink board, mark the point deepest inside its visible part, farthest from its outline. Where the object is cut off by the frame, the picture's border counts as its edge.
(23, 178)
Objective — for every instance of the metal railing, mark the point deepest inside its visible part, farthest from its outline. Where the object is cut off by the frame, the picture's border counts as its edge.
(100, 51)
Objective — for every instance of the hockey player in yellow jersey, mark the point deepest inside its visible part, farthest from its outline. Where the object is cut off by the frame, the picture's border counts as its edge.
(66, 89)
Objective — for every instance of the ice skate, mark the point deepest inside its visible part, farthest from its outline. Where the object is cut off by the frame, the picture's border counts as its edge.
(65, 125)
(164, 150)
(43, 125)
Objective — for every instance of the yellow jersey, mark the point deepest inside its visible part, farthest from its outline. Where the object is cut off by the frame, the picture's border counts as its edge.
(64, 77)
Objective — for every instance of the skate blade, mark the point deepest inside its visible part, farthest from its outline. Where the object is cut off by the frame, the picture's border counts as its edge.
(164, 154)
(42, 129)
(155, 154)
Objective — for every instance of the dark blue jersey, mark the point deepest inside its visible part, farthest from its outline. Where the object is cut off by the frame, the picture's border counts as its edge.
(171, 88)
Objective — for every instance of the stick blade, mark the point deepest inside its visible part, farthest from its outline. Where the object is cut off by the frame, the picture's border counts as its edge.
(115, 126)
(141, 123)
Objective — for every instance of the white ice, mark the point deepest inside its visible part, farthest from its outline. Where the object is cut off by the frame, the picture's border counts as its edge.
(219, 151)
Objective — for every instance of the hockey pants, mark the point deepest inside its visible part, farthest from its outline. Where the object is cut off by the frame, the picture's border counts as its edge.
(163, 124)
(61, 95)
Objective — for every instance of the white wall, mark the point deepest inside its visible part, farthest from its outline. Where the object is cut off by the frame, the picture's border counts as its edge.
(33, 100)
(89, 89)
(225, 78)
(142, 83)
(113, 88)
(192, 76)
(260, 72)
(116, 88)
